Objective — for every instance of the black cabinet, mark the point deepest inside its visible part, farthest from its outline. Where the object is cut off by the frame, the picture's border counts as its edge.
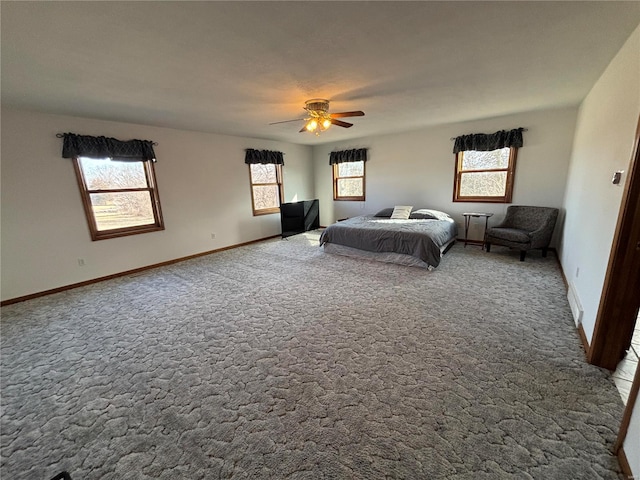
(298, 217)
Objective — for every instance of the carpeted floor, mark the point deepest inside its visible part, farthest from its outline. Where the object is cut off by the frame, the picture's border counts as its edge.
(278, 361)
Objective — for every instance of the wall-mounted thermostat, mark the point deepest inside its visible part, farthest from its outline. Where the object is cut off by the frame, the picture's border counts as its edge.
(617, 176)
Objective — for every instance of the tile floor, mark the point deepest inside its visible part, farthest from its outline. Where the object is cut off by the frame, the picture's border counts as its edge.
(623, 376)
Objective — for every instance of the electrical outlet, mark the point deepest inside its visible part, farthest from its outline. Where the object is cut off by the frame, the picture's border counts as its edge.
(81, 262)
(213, 236)
(577, 272)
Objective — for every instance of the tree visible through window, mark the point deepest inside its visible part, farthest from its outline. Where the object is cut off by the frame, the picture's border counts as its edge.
(485, 176)
(348, 181)
(266, 187)
(120, 197)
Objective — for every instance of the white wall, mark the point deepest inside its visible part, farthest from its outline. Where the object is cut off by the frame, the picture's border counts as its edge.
(417, 168)
(203, 185)
(605, 132)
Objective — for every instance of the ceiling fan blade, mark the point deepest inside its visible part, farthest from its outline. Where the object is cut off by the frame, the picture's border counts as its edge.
(340, 123)
(287, 121)
(357, 113)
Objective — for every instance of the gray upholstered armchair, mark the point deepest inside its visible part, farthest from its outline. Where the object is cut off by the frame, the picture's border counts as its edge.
(524, 228)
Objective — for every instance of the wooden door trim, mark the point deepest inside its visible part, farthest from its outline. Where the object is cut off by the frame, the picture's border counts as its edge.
(619, 304)
(626, 416)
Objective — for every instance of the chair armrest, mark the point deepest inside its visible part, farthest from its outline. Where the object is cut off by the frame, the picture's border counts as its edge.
(541, 236)
(502, 224)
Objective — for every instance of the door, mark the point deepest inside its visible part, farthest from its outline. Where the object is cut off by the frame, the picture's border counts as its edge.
(620, 300)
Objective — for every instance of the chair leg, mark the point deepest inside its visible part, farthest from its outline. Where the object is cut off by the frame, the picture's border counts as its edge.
(544, 252)
(523, 253)
(488, 246)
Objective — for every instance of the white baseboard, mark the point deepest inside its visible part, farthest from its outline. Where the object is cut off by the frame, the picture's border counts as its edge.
(575, 304)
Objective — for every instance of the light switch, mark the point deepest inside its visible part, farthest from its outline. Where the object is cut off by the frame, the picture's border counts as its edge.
(617, 176)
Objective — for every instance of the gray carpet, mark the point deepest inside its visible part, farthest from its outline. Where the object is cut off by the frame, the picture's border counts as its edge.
(277, 361)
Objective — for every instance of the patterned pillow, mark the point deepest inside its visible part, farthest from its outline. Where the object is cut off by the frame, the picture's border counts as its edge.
(401, 212)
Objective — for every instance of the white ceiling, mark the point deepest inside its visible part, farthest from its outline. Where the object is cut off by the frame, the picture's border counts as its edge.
(234, 67)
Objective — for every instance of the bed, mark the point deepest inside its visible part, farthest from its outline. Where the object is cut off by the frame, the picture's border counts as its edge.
(418, 240)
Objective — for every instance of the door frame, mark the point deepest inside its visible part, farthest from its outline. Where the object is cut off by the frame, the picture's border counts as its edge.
(618, 309)
(619, 302)
(618, 447)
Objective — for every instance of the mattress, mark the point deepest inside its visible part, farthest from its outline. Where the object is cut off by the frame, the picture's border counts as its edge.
(422, 239)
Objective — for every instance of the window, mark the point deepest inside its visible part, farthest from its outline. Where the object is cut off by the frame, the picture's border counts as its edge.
(348, 181)
(120, 197)
(485, 176)
(266, 187)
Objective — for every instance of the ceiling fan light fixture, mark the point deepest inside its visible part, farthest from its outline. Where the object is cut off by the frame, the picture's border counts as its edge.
(317, 105)
(319, 119)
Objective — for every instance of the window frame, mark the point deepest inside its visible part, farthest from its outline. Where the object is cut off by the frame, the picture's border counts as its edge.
(336, 177)
(510, 170)
(278, 183)
(152, 189)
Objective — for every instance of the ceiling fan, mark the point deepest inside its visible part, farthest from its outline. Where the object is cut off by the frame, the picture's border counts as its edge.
(319, 118)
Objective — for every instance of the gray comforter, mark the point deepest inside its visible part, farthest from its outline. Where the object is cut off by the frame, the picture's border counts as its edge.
(422, 239)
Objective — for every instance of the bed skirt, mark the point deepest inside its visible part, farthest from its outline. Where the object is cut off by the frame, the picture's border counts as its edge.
(387, 257)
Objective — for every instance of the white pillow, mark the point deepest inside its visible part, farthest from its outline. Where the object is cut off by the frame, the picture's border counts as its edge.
(437, 214)
(401, 212)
